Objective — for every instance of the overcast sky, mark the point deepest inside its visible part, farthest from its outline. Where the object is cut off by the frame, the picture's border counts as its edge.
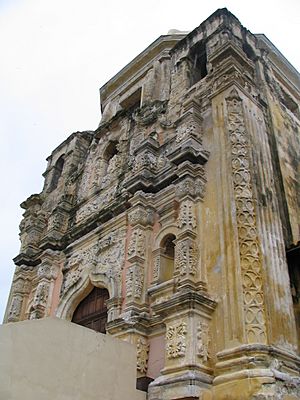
(56, 54)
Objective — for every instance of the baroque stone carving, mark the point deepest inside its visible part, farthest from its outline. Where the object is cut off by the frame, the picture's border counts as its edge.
(203, 341)
(144, 160)
(176, 340)
(142, 354)
(186, 257)
(71, 278)
(41, 294)
(191, 187)
(47, 271)
(134, 281)
(156, 266)
(186, 130)
(137, 245)
(187, 218)
(15, 309)
(75, 265)
(250, 257)
(140, 216)
(91, 207)
(111, 255)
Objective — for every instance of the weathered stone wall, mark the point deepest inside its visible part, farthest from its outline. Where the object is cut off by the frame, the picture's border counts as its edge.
(182, 204)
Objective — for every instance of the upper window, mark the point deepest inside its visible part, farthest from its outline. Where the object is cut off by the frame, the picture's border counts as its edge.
(57, 171)
(133, 101)
(198, 60)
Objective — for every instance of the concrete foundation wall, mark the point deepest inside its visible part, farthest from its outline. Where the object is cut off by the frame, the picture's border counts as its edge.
(54, 359)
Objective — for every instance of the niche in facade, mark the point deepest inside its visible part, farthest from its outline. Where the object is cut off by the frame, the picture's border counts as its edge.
(133, 101)
(198, 61)
(110, 158)
(167, 256)
(57, 172)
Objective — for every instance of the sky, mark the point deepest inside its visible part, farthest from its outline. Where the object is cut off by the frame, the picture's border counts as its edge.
(56, 54)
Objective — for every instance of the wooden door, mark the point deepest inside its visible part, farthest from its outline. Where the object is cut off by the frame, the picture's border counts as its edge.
(92, 311)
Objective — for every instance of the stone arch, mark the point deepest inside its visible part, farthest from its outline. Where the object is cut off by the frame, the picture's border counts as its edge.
(81, 289)
(110, 161)
(57, 172)
(163, 255)
(168, 230)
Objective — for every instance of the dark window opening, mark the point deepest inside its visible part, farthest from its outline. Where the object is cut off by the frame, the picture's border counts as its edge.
(169, 246)
(133, 101)
(293, 260)
(92, 311)
(198, 63)
(249, 51)
(57, 171)
(110, 151)
(290, 104)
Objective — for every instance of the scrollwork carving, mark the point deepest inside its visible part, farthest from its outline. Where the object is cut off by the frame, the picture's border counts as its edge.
(250, 257)
(142, 354)
(15, 309)
(137, 246)
(186, 257)
(176, 340)
(95, 205)
(134, 281)
(187, 218)
(203, 341)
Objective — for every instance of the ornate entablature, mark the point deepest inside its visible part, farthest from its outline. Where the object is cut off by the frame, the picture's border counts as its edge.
(181, 211)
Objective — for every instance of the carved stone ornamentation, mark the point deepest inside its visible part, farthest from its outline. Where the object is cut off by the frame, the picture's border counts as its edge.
(47, 271)
(71, 278)
(187, 218)
(142, 354)
(129, 282)
(186, 130)
(111, 254)
(134, 281)
(191, 187)
(156, 266)
(144, 160)
(94, 205)
(15, 309)
(41, 294)
(140, 216)
(250, 257)
(176, 340)
(203, 341)
(137, 245)
(186, 257)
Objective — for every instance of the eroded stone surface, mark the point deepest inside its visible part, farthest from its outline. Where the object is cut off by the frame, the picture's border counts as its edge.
(184, 205)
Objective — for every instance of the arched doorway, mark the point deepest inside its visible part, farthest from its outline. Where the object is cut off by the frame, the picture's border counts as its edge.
(92, 311)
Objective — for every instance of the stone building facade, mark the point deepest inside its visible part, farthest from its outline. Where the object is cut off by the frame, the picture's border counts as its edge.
(184, 206)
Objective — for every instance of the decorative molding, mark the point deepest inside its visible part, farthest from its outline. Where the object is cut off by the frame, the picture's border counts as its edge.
(186, 257)
(250, 257)
(176, 340)
(96, 204)
(15, 308)
(142, 354)
(187, 218)
(203, 338)
(134, 281)
(137, 245)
